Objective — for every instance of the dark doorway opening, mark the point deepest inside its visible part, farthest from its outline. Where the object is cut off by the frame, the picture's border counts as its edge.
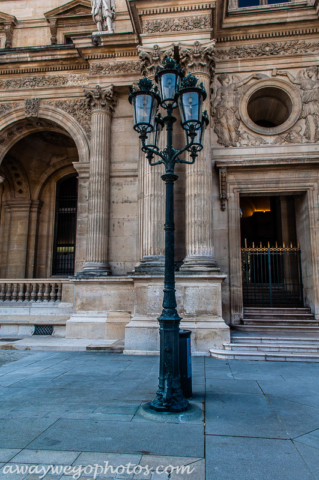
(65, 227)
(271, 258)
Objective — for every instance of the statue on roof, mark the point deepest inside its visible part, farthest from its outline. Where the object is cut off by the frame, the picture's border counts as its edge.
(103, 12)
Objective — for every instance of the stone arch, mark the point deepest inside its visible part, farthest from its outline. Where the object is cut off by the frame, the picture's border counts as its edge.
(14, 126)
(17, 178)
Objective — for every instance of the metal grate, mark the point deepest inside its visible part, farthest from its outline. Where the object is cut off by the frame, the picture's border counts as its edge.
(272, 277)
(43, 330)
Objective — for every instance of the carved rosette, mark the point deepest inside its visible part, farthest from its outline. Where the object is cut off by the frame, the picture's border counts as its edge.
(150, 59)
(100, 98)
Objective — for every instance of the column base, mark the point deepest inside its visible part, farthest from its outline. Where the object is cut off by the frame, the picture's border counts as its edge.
(150, 265)
(198, 264)
(92, 269)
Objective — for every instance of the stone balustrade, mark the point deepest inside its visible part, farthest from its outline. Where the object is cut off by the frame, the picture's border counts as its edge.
(43, 290)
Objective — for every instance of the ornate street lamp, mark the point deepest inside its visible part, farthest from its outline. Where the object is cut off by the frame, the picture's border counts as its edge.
(189, 96)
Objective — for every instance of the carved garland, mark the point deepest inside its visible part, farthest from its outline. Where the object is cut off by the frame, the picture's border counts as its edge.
(176, 24)
(268, 49)
(45, 81)
(115, 68)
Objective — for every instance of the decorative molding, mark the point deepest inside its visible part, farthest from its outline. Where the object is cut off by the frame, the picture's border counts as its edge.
(55, 68)
(115, 68)
(182, 8)
(53, 22)
(271, 34)
(223, 188)
(43, 82)
(32, 107)
(19, 178)
(268, 49)
(29, 124)
(79, 109)
(198, 58)
(6, 107)
(8, 22)
(150, 58)
(183, 24)
(101, 98)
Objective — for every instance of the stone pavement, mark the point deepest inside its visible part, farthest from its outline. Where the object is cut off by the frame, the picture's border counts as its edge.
(79, 413)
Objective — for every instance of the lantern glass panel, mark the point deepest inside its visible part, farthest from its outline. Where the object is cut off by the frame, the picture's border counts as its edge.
(191, 108)
(168, 87)
(198, 140)
(153, 137)
(145, 106)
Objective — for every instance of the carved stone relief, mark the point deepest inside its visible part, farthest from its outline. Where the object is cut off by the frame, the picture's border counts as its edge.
(233, 126)
(268, 49)
(6, 107)
(79, 109)
(176, 24)
(225, 107)
(32, 107)
(308, 82)
(198, 58)
(151, 58)
(30, 124)
(114, 68)
(45, 81)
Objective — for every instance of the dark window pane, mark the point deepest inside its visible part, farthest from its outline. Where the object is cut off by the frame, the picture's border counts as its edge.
(248, 3)
(271, 2)
(65, 227)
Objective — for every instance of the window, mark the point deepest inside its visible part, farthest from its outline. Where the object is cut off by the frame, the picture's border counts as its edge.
(256, 3)
(65, 227)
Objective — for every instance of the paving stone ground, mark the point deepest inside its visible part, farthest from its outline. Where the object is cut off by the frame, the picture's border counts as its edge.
(78, 415)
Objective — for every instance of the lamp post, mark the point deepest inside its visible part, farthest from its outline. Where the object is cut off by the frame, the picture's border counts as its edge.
(146, 98)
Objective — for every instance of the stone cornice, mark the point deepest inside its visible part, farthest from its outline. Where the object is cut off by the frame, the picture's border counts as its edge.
(269, 34)
(49, 68)
(268, 49)
(179, 8)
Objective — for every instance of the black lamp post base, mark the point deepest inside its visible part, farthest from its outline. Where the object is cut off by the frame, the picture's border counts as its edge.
(178, 404)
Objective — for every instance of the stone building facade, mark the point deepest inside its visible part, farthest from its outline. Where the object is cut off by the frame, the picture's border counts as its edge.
(82, 213)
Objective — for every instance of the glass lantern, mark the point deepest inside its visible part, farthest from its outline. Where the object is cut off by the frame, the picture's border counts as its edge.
(168, 76)
(145, 100)
(191, 97)
(198, 143)
(153, 137)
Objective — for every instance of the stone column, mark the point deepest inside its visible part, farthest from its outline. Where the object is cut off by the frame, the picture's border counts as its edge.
(151, 186)
(18, 237)
(83, 169)
(102, 102)
(198, 60)
(32, 237)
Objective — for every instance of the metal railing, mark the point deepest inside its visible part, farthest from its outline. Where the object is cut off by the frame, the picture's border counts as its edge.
(30, 291)
(272, 276)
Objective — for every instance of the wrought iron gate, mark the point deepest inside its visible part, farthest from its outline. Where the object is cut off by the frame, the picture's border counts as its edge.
(272, 276)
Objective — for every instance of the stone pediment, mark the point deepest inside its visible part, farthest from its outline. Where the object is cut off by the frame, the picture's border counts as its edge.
(75, 8)
(6, 19)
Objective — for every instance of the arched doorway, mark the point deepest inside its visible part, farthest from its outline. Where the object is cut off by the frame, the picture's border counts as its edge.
(65, 227)
(32, 170)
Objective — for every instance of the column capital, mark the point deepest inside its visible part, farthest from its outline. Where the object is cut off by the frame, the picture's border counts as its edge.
(198, 58)
(151, 57)
(101, 98)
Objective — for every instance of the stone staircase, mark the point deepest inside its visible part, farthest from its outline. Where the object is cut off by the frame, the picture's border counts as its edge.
(273, 334)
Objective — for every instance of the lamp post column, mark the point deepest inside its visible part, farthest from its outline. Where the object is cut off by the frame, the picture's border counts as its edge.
(198, 61)
(102, 102)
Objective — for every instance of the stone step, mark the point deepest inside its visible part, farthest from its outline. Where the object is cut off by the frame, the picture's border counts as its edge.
(276, 328)
(264, 356)
(270, 340)
(301, 316)
(279, 347)
(48, 343)
(278, 321)
(277, 310)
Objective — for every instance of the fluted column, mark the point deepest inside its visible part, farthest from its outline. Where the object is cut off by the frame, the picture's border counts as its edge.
(102, 102)
(198, 60)
(151, 187)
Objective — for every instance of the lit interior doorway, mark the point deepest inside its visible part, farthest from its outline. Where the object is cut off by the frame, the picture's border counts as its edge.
(271, 257)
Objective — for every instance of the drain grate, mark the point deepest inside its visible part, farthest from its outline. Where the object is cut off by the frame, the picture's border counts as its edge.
(43, 330)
